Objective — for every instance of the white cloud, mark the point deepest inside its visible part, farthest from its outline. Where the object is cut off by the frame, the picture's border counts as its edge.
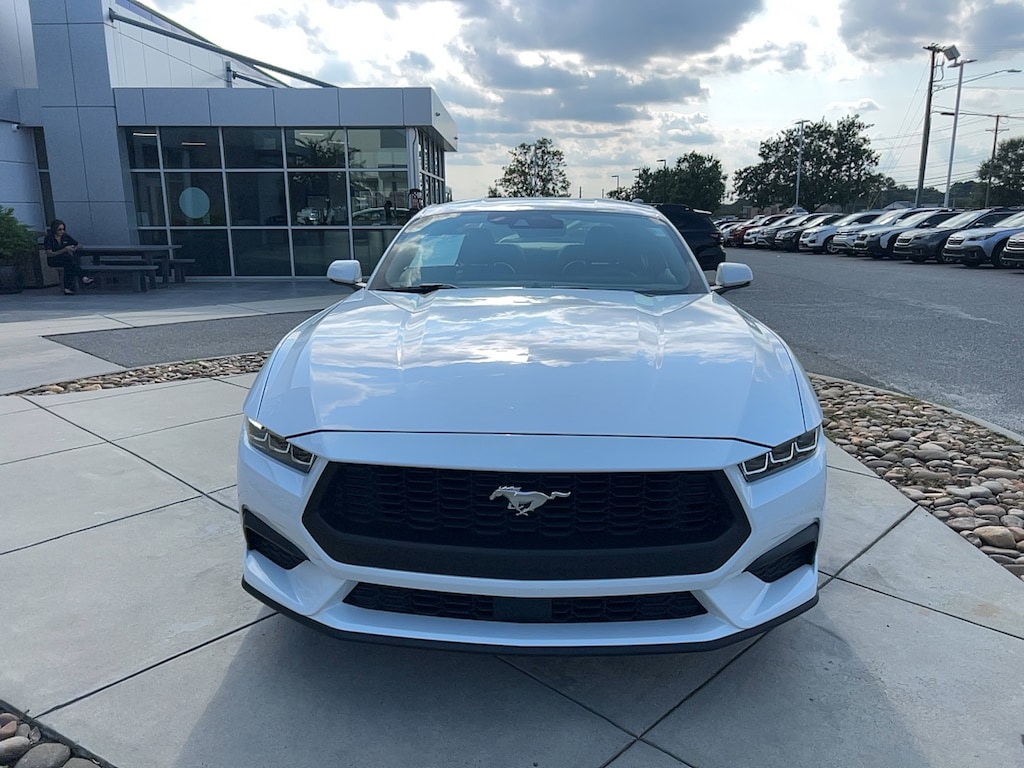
(619, 84)
(859, 106)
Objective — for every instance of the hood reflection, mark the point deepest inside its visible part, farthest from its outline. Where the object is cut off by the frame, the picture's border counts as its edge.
(407, 331)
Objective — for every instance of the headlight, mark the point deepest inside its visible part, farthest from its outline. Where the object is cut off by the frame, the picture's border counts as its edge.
(276, 447)
(781, 456)
(974, 237)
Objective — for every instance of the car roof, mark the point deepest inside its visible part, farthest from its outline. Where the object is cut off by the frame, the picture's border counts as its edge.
(551, 204)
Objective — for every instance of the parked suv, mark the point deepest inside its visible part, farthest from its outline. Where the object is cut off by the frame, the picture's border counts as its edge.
(819, 237)
(699, 232)
(766, 238)
(788, 238)
(1013, 253)
(919, 245)
(877, 241)
(842, 243)
(975, 247)
(754, 237)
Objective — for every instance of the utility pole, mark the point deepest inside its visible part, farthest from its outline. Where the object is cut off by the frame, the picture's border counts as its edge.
(995, 141)
(934, 48)
(799, 162)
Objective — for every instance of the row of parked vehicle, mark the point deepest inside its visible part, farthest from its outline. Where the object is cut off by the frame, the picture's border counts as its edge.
(971, 237)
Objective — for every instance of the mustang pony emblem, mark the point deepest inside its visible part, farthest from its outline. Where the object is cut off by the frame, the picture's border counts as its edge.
(525, 502)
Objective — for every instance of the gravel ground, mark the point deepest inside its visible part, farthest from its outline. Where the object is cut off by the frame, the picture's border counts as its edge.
(965, 474)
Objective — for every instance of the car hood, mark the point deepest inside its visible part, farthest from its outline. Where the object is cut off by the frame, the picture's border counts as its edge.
(545, 362)
(936, 230)
(881, 229)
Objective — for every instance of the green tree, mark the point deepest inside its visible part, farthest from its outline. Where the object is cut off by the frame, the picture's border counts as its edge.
(1005, 173)
(536, 170)
(695, 180)
(836, 165)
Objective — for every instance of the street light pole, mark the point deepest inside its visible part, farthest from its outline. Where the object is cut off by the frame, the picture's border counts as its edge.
(799, 163)
(959, 64)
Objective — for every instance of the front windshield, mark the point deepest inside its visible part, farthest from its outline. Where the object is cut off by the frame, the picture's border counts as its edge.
(964, 219)
(890, 217)
(928, 217)
(539, 248)
(1017, 220)
(856, 218)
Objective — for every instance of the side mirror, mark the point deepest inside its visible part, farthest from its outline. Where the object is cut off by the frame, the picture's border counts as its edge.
(731, 275)
(346, 272)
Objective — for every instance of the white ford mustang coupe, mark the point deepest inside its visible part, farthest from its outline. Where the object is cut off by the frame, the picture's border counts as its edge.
(535, 429)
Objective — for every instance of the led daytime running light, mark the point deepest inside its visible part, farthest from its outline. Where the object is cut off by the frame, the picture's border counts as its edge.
(781, 456)
(277, 447)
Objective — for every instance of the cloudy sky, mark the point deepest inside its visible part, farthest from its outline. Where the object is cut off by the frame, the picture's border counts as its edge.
(618, 84)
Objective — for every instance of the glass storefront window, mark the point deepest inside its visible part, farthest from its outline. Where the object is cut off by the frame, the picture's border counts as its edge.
(252, 147)
(257, 199)
(149, 200)
(369, 246)
(261, 252)
(142, 148)
(377, 148)
(153, 237)
(190, 147)
(318, 199)
(209, 247)
(315, 249)
(379, 197)
(315, 147)
(274, 201)
(195, 199)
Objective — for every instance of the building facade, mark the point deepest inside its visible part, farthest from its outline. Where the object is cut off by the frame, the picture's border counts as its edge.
(133, 129)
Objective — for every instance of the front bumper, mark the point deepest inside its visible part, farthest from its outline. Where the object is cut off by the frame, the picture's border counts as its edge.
(916, 249)
(967, 254)
(783, 510)
(869, 248)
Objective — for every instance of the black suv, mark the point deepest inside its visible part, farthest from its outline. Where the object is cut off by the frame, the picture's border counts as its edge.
(698, 230)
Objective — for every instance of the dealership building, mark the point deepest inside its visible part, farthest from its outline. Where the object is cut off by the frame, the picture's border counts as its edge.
(135, 130)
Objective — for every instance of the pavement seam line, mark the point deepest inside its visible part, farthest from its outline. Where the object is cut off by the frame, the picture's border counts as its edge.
(931, 608)
(153, 666)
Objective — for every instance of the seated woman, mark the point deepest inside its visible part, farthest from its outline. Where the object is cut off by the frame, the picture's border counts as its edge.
(60, 250)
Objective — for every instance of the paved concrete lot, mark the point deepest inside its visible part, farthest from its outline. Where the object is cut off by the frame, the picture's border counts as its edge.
(125, 628)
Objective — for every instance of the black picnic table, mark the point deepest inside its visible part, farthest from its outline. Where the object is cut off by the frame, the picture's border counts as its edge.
(160, 256)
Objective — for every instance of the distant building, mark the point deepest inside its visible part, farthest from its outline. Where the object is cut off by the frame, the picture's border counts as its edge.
(134, 129)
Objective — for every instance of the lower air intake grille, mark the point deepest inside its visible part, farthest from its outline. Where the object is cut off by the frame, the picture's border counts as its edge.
(557, 610)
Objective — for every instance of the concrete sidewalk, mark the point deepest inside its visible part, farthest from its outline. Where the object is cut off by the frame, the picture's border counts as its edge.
(125, 629)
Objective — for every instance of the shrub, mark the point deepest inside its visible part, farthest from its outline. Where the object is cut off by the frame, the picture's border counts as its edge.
(16, 239)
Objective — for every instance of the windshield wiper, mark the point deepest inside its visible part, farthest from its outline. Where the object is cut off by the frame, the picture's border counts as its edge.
(422, 288)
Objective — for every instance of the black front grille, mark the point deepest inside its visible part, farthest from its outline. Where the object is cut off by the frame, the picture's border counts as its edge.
(556, 610)
(427, 519)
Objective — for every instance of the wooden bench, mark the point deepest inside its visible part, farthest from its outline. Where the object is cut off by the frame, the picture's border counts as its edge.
(117, 275)
(180, 267)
